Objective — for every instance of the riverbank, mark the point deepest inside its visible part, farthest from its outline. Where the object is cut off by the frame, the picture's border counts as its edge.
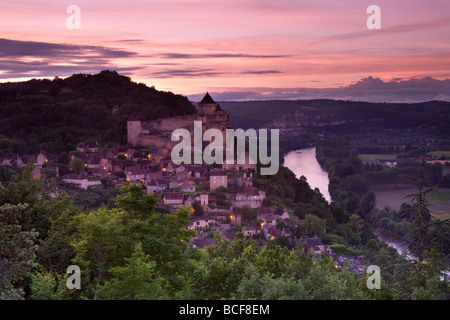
(303, 162)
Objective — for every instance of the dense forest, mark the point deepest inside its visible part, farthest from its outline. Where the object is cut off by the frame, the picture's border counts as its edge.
(54, 115)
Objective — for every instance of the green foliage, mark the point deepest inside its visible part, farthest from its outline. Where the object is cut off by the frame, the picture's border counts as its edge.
(198, 208)
(136, 280)
(77, 165)
(46, 286)
(314, 225)
(17, 251)
(247, 213)
(105, 238)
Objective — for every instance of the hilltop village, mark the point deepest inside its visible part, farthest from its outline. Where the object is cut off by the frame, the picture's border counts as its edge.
(222, 198)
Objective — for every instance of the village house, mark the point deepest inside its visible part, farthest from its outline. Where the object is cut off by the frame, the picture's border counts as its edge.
(136, 174)
(129, 154)
(22, 161)
(168, 166)
(182, 175)
(154, 173)
(116, 165)
(6, 161)
(189, 200)
(251, 230)
(139, 156)
(218, 179)
(316, 246)
(81, 180)
(187, 188)
(271, 232)
(201, 222)
(88, 146)
(281, 214)
(173, 199)
(156, 185)
(355, 264)
(100, 172)
(222, 216)
(268, 220)
(197, 171)
(159, 155)
(116, 151)
(41, 159)
(235, 219)
(106, 164)
(36, 173)
(91, 161)
(239, 182)
(174, 184)
(252, 197)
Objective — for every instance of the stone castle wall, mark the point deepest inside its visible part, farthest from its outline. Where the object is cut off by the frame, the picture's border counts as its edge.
(158, 133)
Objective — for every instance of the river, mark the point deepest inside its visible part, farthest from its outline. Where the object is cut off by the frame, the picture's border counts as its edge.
(303, 162)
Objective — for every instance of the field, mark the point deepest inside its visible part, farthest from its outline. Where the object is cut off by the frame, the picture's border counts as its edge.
(440, 154)
(393, 198)
(369, 157)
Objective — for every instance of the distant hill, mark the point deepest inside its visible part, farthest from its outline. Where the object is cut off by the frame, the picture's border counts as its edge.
(342, 117)
(54, 115)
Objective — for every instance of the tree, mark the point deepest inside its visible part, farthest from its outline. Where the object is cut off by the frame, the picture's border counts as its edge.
(64, 158)
(77, 165)
(101, 241)
(247, 213)
(198, 208)
(283, 241)
(314, 225)
(17, 251)
(137, 280)
(368, 202)
(356, 224)
(419, 238)
(46, 286)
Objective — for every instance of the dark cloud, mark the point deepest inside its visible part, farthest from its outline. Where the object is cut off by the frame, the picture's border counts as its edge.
(367, 89)
(174, 55)
(20, 59)
(16, 48)
(399, 29)
(261, 72)
(186, 73)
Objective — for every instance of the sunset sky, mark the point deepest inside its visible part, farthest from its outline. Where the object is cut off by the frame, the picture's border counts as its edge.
(246, 49)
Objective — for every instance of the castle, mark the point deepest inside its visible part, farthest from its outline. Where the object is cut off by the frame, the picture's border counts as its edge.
(158, 133)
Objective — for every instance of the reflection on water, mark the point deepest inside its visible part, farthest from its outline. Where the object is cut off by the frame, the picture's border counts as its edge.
(303, 162)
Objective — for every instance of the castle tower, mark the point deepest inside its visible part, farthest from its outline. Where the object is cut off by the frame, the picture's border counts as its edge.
(134, 129)
(207, 105)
